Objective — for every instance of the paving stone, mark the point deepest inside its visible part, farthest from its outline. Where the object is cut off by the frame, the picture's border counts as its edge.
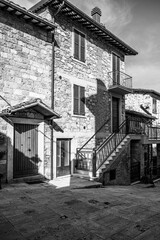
(78, 214)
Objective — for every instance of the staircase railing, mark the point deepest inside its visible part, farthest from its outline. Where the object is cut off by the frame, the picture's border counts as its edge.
(109, 145)
(84, 155)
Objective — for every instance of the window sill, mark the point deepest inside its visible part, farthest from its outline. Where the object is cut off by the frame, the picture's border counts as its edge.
(78, 61)
(78, 116)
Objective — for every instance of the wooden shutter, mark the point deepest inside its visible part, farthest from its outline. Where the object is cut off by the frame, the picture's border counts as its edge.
(82, 48)
(76, 100)
(76, 44)
(116, 69)
(82, 101)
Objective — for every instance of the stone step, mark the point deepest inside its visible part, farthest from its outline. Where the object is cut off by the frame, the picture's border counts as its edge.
(30, 179)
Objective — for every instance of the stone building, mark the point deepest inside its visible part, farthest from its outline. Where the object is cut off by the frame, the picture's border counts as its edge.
(144, 101)
(25, 97)
(63, 87)
(143, 112)
(90, 84)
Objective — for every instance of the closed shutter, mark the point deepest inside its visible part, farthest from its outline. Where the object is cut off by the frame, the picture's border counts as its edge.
(75, 100)
(76, 44)
(82, 48)
(79, 100)
(116, 69)
(82, 101)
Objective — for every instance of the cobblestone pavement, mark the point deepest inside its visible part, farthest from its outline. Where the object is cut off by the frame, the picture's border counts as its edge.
(42, 211)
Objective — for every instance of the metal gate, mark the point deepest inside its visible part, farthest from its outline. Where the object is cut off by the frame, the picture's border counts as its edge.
(135, 171)
(25, 162)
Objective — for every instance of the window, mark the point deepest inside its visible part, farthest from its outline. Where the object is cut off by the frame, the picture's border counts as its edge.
(154, 106)
(79, 46)
(78, 100)
(116, 69)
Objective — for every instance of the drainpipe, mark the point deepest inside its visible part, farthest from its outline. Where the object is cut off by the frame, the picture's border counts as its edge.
(52, 82)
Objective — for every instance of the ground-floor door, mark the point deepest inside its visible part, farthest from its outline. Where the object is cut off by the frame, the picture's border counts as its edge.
(115, 114)
(135, 171)
(135, 153)
(63, 157)
(25, 160)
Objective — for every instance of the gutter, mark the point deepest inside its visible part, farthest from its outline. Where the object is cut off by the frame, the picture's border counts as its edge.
(52, 82)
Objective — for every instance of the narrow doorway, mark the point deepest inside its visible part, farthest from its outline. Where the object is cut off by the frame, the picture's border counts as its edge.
(115, 114)
(63, 157)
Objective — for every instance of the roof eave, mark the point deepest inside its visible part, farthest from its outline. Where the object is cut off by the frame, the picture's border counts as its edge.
(27, 15)
(127, 50)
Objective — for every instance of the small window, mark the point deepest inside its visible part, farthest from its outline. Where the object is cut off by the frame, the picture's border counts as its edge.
(78, 100)
(154, 106)
(112, 174)
(79, 46)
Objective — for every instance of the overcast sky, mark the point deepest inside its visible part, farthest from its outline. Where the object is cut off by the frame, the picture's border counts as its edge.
(137, 23)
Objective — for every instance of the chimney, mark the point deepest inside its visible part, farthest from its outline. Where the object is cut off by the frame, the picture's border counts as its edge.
(96, 14)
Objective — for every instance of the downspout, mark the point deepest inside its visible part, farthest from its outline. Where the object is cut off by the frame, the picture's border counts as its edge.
(53, 81)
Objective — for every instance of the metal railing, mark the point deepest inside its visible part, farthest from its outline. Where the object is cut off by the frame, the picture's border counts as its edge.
(84, 159)
(134, 126)
(153, 133)
(120, 78)
(109, 145)
(84, 155)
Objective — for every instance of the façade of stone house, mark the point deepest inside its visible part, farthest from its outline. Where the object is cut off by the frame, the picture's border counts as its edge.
(142, 111)
(144, 101)
(90, 84)
(25, 98)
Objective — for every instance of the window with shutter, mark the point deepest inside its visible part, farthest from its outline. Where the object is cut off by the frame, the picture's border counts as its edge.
(154, 106)
(78, 100)
(79, 46)
(116, 69)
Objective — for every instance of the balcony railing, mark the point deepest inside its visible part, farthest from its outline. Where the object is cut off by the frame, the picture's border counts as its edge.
(120, 79)
(137, 126)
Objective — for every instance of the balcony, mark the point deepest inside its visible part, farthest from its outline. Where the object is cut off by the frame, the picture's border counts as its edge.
(120, 83)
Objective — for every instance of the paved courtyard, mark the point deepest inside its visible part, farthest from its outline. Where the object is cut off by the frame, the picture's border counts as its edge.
(45, 211)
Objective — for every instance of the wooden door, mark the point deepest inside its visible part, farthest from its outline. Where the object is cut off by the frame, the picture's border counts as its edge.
(135, 171)
(115, 114)
(63, 157)
(116, 69)
(25, 161)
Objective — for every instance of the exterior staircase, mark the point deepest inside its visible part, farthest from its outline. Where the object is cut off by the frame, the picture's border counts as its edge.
(94, 162)
(97, 164)
(110, 160)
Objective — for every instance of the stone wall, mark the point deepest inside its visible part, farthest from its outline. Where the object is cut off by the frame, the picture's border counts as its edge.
(93, 75)
(25, 65)
(121, 165)
(133, 102)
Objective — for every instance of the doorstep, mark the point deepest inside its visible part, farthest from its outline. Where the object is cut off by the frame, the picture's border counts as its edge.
(29, 179)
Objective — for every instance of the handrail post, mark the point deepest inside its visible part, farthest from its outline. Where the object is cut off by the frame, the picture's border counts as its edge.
(94, 163)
